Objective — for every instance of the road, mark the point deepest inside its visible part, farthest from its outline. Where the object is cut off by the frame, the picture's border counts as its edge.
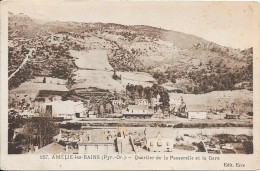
(102, 123)
(22, 64)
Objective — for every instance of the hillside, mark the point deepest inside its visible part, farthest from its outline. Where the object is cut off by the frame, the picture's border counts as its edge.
(190, 63)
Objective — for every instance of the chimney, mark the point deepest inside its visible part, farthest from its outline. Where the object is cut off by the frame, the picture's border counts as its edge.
(67, 148)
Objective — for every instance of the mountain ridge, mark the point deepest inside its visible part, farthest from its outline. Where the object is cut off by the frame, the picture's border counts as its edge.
(167, 55)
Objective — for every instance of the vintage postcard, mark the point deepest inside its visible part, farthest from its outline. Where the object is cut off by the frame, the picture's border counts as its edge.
(116, 85)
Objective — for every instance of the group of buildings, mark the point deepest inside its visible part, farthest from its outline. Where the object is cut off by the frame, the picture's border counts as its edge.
(143, 140)
(46, 98)
(110, 141)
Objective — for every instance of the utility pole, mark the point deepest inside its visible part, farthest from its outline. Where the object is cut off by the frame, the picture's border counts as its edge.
(121, 147)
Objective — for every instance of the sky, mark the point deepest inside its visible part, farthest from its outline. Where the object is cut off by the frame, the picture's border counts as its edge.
(226, 23)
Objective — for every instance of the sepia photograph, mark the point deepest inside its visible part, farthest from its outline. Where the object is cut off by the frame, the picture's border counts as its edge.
(131, 78)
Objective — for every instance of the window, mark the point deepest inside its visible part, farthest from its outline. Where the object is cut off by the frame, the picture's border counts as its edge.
(159, 143)
(167, 143)
(86, 147)
(151, 143)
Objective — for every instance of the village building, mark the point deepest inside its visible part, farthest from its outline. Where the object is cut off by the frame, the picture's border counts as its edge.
(156, 101)
(141, 102)
(158, 113)
(53, 89)
(35, 92)
(64, 109)
(227, 146)
(67, 136)
(232, 116)
(171, 88)
(44, 96)
(49, 80)
(92, 114)
(117, 105)
(52, 148)
(177, 104)
(140, 111)
(197, 112)
(96, 142)
(215, 148)
(117, 102)
(27, 114)
(159, 141)
(87, 103)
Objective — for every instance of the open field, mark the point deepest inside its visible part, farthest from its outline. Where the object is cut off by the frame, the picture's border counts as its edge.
(96, 78)
(95, 71)
(136, 78)
(92, 59)
(29, 89)
(215, 99)
(103, 79)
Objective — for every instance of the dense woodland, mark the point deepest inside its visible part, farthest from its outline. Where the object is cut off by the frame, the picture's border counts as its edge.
(36, 132)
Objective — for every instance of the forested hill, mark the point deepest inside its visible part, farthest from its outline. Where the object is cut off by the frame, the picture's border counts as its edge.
(180, 60)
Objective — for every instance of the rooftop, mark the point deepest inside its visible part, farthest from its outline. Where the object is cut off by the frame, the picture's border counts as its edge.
(53, 148)
(152, 133)
(138, 107)
(96, 137)
(65, 103)
(47, 93)
(197, 108)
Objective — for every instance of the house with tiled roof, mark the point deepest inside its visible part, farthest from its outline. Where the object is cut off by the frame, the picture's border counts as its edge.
(197, 112)
(159, 141)
(53, 148)
(63, 109)
(141, 102)
(96, 142)
(139, 111)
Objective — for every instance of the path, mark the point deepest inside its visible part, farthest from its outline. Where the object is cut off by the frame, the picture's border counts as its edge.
(23, 63)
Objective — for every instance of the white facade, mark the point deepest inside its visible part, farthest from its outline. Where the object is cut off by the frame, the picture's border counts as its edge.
(99, 148)
(141, 102)
(137, 110)
(66, 109)
(197, 115)
(159, 143)
(117, 102)
(96, 142)
(91, 114)
(49, 80)
(228, 146)
(156, 101)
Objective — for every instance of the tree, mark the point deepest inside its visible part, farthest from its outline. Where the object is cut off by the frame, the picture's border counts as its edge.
(164, 99)
(248, 145)
(71, 79)
(160, 77)
(109, 108)
(173, 80)
(40, 131)
(101, 109)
